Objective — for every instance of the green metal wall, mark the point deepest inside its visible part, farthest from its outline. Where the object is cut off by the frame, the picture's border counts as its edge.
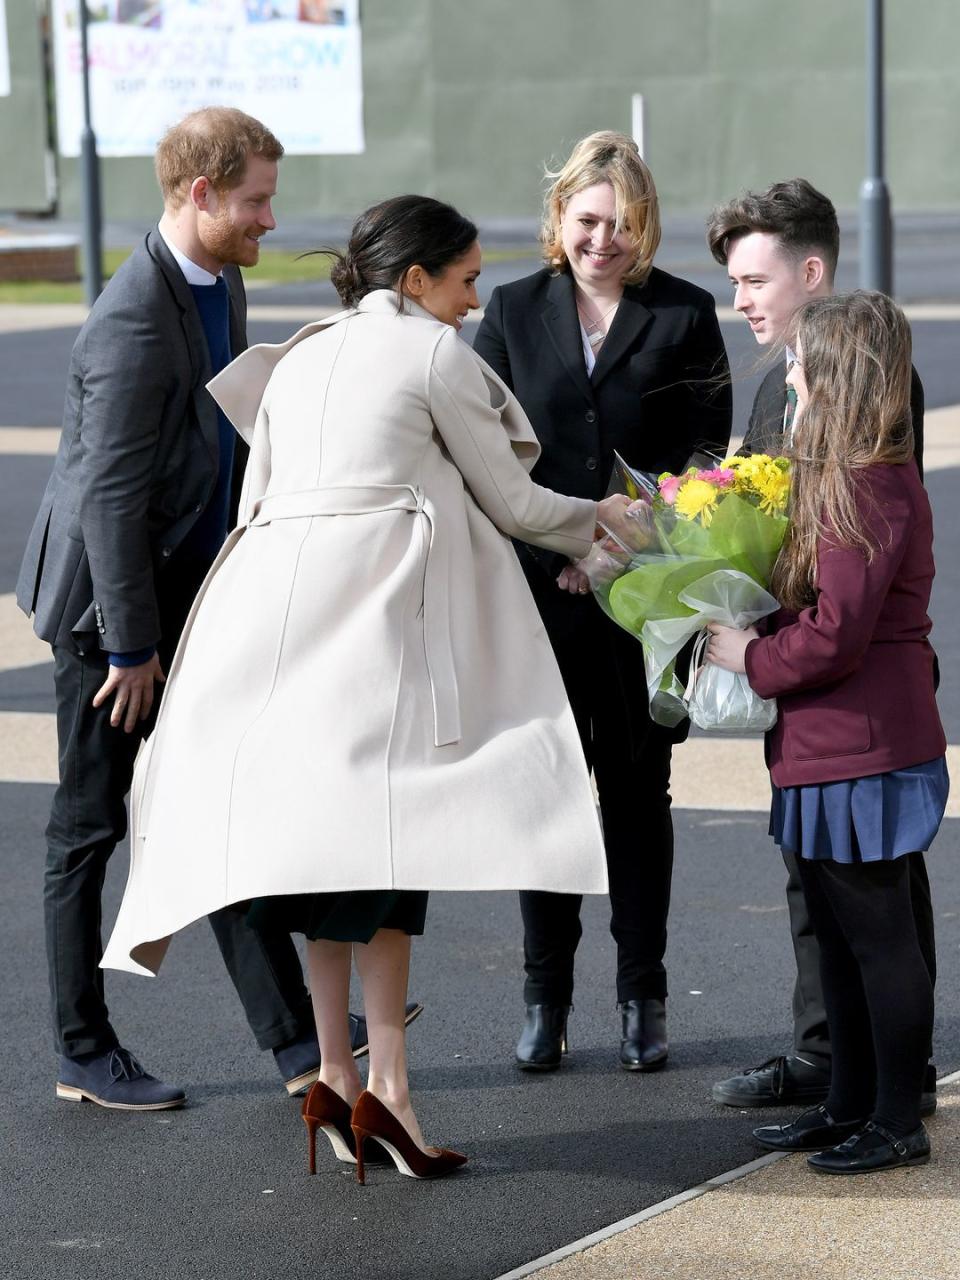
(23, 114)
(468, 99)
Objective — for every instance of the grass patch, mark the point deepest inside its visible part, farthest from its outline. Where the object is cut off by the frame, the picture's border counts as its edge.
(276, 266)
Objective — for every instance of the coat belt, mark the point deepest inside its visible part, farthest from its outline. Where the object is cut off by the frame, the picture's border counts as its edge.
(371, 499)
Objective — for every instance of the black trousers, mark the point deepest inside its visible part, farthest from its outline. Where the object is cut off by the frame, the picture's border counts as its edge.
(88, 819)
(877, 986)
(811, 1034)
(633, 787)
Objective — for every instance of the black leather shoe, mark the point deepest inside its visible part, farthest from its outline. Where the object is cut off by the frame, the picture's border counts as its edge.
(543, 1040)
(643, 1043)
(358, 1027)
(811, 1131)
(778, 1082)
(873, 1148)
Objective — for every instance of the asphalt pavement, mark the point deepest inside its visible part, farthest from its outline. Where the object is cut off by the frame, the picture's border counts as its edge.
(220, 1190)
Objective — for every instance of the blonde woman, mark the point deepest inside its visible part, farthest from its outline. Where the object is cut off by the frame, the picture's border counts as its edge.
(606, 352)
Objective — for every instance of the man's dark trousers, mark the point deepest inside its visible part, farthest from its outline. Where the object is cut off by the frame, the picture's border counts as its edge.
(88, 819)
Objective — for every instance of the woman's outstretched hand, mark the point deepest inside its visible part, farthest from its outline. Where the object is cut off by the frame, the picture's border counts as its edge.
(631, 523)
(727, 647)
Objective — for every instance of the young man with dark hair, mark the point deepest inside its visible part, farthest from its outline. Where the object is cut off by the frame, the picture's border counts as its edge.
(780, 248)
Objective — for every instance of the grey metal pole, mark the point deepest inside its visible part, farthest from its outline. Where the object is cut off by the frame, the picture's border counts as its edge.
(90, 181)
(876, 224)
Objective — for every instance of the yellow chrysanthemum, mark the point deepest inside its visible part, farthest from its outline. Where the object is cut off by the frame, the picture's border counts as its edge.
(697, 499)
(763, 480)
(773, 488)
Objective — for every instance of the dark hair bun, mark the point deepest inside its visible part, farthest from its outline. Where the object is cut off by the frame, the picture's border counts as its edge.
(347, 278)
(395, 235)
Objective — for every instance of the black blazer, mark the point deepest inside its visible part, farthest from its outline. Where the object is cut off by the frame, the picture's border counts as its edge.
(660, 390)
(138, 457)
(765, 428)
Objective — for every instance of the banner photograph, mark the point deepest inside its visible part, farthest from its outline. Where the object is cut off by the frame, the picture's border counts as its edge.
(294, 63)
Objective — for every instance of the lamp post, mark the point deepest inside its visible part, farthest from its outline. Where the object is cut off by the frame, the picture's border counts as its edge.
(876, 225)
(90, 181)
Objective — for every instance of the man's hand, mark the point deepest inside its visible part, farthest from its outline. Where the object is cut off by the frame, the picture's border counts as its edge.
(134, 690)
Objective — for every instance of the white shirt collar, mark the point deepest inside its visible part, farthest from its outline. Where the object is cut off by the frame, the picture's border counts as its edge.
(191, 272)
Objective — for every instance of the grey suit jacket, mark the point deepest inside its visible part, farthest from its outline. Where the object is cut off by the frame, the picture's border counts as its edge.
(138, 458)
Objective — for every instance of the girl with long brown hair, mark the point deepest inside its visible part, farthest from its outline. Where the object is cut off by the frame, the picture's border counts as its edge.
(857, 756)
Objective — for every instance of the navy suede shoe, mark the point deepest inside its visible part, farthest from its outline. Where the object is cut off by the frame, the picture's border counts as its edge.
(358, 1027)
(115, 1079)
(299, 1060)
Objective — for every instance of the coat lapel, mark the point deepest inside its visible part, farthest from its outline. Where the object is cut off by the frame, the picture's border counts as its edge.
(196, 341)
(631, 318)
(559, 317)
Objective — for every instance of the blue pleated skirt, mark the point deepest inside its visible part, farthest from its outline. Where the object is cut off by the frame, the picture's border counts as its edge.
(870, 819)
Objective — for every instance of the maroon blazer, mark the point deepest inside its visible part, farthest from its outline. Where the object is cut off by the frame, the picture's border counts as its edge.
(853, 674)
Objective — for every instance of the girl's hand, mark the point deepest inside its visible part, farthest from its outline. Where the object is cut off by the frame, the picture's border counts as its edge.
(727, 646)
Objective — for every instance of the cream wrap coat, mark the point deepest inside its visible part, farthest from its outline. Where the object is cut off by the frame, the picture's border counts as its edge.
(364, 696)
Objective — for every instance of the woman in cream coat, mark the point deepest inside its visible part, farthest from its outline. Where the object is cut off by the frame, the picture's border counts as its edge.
(364, 698)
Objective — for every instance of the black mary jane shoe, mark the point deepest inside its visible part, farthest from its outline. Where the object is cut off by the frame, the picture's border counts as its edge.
(543, 1041)
(811, 1131)
(643, 1042)
(873, 1148)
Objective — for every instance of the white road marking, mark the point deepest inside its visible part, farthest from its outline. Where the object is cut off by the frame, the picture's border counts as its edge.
(708, 774)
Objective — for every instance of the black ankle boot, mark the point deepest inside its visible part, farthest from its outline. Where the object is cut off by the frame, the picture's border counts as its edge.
(643, 1044)
(543, 1040)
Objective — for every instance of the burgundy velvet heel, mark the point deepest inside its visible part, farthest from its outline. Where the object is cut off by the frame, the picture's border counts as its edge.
(371, 1119)
(326, 1110)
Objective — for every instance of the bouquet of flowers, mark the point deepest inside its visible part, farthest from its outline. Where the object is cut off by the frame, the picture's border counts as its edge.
(704, 547)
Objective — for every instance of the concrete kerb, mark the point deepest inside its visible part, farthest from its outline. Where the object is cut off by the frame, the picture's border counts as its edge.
(576, 1261)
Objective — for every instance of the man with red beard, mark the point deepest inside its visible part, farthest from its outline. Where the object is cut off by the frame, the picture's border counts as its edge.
(143, 490)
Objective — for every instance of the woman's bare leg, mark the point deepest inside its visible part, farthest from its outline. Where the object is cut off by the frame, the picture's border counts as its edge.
(328, 964)
(384, 966)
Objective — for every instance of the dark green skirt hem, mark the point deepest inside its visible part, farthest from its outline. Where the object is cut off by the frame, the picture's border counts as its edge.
(353, 916)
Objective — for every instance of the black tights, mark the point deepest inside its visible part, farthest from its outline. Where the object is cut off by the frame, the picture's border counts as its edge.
(877, 988)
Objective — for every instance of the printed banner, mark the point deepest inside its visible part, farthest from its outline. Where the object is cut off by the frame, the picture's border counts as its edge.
(4, 53)
(294, 64)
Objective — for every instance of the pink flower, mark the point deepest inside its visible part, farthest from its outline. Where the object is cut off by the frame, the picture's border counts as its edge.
(722, 477)
(668, 488)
